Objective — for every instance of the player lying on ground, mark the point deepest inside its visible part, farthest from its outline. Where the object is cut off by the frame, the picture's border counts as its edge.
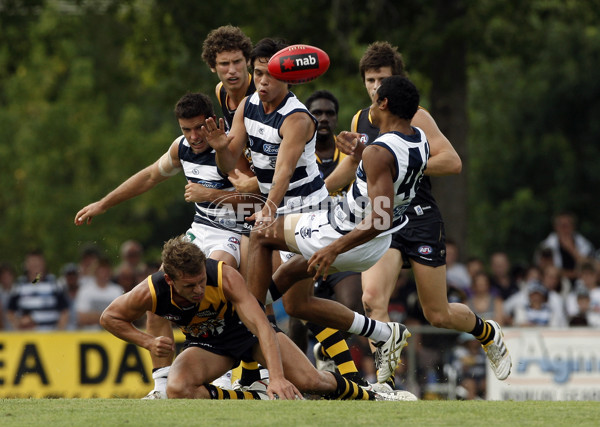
(223, 324)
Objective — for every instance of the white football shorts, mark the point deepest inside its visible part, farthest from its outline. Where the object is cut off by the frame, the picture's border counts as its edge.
(313, 232)
(210, 239)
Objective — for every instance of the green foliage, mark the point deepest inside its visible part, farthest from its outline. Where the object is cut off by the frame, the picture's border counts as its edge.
(87, 90)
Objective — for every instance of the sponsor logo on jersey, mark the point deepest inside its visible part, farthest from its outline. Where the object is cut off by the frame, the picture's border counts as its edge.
(206, 313)
(419, 210)
(364, 138)
(270, 148)
(208, 184)
(232, 246)
(425, 250)
(172, 317)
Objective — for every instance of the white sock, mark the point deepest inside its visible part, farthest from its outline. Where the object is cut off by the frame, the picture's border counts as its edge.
(160, 379)
(372, 329)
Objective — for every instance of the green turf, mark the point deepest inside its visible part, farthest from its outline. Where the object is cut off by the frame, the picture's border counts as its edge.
(130, 412)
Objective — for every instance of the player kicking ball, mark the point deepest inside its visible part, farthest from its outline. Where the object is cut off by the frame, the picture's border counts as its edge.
(223, 324)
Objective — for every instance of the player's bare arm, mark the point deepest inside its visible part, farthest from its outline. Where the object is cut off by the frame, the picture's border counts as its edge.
(378, 164)
(250, 312)
(229, 147)
(162, 169)
(443, 158)
(342, 175)
(119, 316)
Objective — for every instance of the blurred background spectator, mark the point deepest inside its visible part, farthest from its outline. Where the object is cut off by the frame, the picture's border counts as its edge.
(37, 301)
(7, 280)
(93, 297)
(457, 274)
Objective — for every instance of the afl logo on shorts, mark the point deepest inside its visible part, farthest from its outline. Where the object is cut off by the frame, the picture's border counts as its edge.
(425, 250)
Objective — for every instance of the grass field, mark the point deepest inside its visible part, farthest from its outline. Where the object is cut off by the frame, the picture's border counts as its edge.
(130, 412)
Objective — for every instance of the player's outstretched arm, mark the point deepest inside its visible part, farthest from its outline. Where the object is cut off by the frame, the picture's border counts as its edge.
(166, 166)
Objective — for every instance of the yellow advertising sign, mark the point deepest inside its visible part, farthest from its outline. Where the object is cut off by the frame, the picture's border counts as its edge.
(73, 364)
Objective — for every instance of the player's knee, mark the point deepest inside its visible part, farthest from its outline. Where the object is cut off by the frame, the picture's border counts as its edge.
(176, 390)
(436, 318)
(294, 308)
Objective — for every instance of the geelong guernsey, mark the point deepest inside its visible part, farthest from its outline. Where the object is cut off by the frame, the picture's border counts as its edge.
(410, 153)
(306, 188)
(201, 168)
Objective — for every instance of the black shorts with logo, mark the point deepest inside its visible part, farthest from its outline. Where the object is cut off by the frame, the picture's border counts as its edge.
(423, 243)
(236, 342)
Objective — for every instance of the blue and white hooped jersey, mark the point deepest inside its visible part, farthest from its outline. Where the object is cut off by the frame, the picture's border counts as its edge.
(306, 188)
(410, 153)
(201, 168)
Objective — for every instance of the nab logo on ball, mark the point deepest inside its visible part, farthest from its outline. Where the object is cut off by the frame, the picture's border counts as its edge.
(298, 64)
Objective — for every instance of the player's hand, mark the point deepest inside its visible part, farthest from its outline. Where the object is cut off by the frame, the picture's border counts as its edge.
(196, 193)
(320, 262)
(349, 143)
(264, 222)
(215, 135)
(86, 214)
(284, 389)
(162, 346)
(243, 183)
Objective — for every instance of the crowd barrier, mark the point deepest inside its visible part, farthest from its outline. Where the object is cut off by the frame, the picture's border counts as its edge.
(548, 364)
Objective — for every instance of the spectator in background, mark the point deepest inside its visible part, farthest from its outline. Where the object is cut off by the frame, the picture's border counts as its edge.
(585, 292)
(539, 307)
(553, 280)
(568, 247)
(94, 297)
(581, 315)
(501, 279)
(457, 274)
(7, 281)
(475, 266)
(88, 260)
(69, 280)
(126, 277)
(37, 301)
(469, 360)
(483, 299)
(132, 255)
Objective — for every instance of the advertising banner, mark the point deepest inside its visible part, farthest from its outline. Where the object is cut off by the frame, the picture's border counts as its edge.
(73, 365)
(550, 364)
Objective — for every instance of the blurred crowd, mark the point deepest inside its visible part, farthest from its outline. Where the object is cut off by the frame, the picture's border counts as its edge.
(558, 288)
(36, 299)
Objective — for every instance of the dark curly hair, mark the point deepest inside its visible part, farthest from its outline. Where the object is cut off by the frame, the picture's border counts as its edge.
(225, 39)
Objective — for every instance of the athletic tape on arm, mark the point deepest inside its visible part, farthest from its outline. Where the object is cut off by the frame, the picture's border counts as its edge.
(166, 166)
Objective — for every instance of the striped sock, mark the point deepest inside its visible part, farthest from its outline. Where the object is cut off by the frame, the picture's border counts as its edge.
(335, 346)
(348, 390)
(217, 393)
(375, 330)
(483, 331)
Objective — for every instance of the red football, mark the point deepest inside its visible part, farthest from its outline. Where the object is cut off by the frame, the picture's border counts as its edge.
(299, 63)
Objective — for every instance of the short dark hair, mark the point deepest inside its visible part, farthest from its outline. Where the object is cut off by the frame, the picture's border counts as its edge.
(322, 94)
(225, 39)
(266, 48)
(381, 54)
(402, 96)
(193, 105)
(180, 257)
